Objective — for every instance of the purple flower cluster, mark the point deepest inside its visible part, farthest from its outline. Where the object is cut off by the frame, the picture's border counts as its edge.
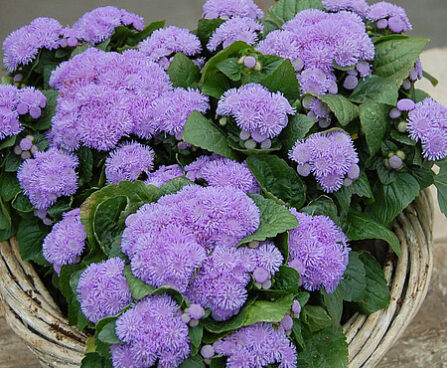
(22, 46)
(15, 102)
(103, 290)
(427, 123)
(153, 331)
(128, 162)
(388, 15)
(314, 40)
(257, 346)
(235, 29)
(219, 171)
(105, 96)
(97, 25)
(331, 157)
(164, 174)
(359, 7)
(66, 241)
(226, 9)
(318, 251)
(48, 176)
(256, 109)
(167, 41)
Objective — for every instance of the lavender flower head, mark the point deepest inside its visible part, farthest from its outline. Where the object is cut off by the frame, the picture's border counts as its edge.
(167, 41)
(31, 101)
(22, 46)
(153, 331)
(128, 162)
(219, 171)
(359, 7)
(97, 25)
(392, 16)
(9, 117)
(256, 109)
(164, 174)
(103, 290)
(319, 251)
(258, 346)
(48, 176)
(329, 156)
(66, 241)
(226, 9)
(168, 257)
(427, 123)
(235, 29)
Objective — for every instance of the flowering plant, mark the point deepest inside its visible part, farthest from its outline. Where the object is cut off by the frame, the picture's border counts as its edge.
(197, 197)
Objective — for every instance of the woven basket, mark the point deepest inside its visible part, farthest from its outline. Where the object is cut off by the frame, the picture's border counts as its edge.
(32, 314)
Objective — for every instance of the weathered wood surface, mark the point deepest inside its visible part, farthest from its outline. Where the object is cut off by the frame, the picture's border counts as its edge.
(424, 344)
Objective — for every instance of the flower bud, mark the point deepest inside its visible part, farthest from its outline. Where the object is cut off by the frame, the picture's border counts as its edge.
(250, 144)
(402, 127)
(250, 62)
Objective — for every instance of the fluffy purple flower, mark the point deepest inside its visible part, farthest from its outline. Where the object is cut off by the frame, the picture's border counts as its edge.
(235, 29)
(153, 331)
(427, 123)
(22, 46)
(315, 81)
(219, 171)
(257, 346)
(103, 290)
(31, 101)
(128, 162)
(226, 9)
(99, 24)
(167, 41)
(164, 174)
(9, 117)
(256, 109)
(396, 16)
(283, 44)
(268, 257)
(357, 6)
(330, 156)
(97, 116)
(48, 176)
(220, 282)
(170, 112)
(319, 251)
(168, 257)
(65, 243)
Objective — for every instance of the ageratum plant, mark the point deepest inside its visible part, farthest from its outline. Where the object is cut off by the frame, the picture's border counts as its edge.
(196, 197)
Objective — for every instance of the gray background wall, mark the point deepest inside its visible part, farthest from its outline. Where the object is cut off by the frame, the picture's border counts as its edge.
(429, 17)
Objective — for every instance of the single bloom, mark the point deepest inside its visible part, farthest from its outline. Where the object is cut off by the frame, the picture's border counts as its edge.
(390, 15)
(360, 7)
(226, 9)
(103, 290)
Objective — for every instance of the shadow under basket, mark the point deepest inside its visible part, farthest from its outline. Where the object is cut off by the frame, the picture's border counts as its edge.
(33, 315)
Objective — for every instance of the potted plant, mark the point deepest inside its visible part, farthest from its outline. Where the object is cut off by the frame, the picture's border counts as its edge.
(248, 194)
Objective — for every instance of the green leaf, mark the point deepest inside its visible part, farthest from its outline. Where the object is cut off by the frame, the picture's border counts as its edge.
(138, 288)
(202, 133)
(287, 279)
(206, 28)
(423, 175)
(8, 142)
(281, 182)
(285, 10)
(231, 324)
(374, 120)
(146, 32)
(315, 317)
(183, 72)
(344, 110)
(30, 237)
(9, 186)
(266, 311)
(12, 162)
(298, 127)
(359, 187)
(22, 204)
(193, 362)
(376, 89)
(108, 335)
(283, 79)
(441, 186)
(62, 205)
(360, 226)
(44, 121)
(377, 294)
(393, 198)
(231, 68)
(173, 186)
(216, 85)
(396, 57)
(325, 349)
(195, 336)
(402, 138)
(275, 219)
(296, 332)
(5, 216)
(322, 206)
(353, 284)
(85, 167)
(334, 305)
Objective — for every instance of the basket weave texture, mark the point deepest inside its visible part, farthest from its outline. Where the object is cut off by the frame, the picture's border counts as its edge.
(33, 315)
